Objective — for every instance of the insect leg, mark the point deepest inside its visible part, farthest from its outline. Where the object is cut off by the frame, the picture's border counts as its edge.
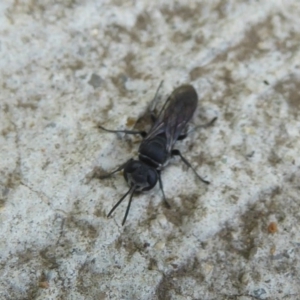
(97, 174)
(176, 152)
(182, 136)
(162, 189)
(142, 133)
(154, 103)
(210, 123)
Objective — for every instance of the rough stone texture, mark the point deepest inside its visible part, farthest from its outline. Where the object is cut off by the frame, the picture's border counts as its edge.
(67, 66)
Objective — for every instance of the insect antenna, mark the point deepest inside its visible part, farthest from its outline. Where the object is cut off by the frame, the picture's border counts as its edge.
(132, 189)
(119, 202)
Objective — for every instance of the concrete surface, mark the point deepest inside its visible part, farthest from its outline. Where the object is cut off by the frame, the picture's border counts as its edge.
(67, 66)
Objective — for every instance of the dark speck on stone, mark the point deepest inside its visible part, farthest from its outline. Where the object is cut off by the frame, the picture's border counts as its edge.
(95, 81)
(260, 293)
(5, 191)
(51, 124)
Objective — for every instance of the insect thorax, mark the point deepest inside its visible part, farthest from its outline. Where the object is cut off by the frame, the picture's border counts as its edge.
(153, 152)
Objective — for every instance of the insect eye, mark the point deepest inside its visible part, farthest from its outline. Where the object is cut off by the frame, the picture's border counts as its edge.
(152, 178)
(132, 166)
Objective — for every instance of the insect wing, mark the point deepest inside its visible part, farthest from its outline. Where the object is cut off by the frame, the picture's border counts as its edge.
(158, 126)
(183, 103)
(176, 113)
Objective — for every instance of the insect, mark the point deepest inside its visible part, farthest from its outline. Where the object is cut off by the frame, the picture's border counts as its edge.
(157, 146)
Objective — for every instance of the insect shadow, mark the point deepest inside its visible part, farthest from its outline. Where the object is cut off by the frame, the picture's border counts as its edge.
(157, 146)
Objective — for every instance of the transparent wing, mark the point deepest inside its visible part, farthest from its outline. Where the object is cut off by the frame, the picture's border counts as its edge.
(176, 113)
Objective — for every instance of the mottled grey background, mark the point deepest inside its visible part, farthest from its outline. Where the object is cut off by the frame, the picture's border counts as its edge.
(67, 66)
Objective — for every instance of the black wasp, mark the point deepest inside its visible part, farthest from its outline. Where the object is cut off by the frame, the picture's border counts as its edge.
(157, 146)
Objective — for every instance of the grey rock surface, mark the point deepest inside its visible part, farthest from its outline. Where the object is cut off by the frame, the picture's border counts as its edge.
(67, 66)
